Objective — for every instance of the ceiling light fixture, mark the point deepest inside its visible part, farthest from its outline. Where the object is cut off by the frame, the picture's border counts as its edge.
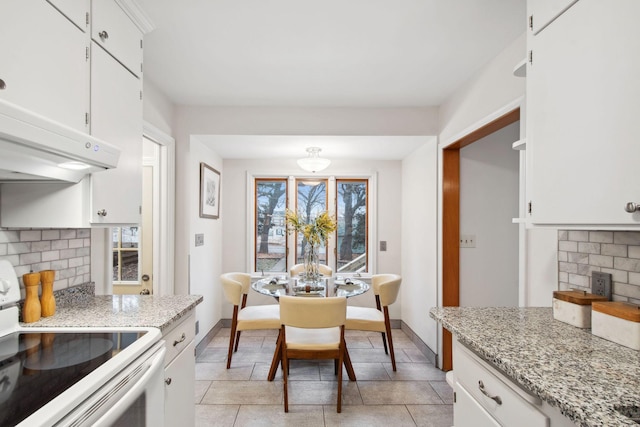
(313, 163)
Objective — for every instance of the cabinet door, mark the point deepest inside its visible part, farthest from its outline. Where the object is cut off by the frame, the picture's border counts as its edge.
(179, 402)
(582, 106)
(542, 12)
(44, 62)
(76, 11)
(112, 29)
(116, 117)
(469, 413)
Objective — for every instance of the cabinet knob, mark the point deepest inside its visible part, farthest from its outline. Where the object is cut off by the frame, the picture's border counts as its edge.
(3, 85)
(103, 35)
(632, 207)
(167, 381)
(102, 212)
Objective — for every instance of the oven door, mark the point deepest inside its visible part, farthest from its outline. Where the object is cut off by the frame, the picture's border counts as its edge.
(134, 397)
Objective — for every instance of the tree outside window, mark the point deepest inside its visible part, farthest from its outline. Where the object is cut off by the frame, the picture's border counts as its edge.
(352, 225)
(311, 201)
(271, 236)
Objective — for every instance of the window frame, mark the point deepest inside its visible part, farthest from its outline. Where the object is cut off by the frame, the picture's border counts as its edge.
(252, 176)
(119, 250)
(255, 220)
(368, 253)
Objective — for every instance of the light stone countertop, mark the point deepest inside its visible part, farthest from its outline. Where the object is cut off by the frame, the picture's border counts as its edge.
(585, 376)
(120, 311)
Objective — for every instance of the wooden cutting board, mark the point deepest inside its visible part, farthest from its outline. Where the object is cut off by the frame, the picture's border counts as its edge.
(578, 297)
(623, 310)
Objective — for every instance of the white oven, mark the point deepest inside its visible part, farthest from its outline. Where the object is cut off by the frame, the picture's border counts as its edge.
(77, 376)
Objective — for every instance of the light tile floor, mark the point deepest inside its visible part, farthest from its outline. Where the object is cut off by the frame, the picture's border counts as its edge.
(415, 395)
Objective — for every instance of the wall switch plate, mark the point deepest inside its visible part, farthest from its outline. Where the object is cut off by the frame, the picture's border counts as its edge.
(383, 245)
(199, 239)
(197, 326)
(467, 240)
(601, 284)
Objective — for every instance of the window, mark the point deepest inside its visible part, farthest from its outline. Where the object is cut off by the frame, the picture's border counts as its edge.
(311, 201)
(126, 253)
(350, 199)
(270, 227)
(352, 233)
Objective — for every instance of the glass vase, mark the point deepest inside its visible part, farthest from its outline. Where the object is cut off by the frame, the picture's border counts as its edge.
(311, 268)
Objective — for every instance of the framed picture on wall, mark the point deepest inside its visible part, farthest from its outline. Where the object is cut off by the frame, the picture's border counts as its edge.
(209, 192)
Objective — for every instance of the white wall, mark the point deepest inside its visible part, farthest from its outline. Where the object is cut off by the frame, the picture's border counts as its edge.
(419, 218)
(234, 209)
(157, 109)
(489, 193)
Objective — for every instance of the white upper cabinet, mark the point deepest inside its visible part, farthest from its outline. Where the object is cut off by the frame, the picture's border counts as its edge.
(116, 116)
(44, 62)
(112, 29)
(77, 11)
(583, 116)
(542, 12)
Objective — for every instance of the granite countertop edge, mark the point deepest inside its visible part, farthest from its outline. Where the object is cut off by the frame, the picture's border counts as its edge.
(120, 311)
(526, 344)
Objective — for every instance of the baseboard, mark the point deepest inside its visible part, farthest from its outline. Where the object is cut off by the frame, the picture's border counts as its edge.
(202, 345)
(424, 349)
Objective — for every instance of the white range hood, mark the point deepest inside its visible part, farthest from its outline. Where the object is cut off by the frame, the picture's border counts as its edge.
(36, 149)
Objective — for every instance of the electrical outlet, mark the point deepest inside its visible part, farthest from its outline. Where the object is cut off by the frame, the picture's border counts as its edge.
(383, 245)
(601, 284)
(199, 239)
(197, 326)
(467, 240)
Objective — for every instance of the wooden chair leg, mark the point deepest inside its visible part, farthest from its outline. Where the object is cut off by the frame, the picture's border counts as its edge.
(277, 359)
(347, 364)
(387, 324)
(232, 334)
(285, 374)
(384, 342)
(238, 340)
(340, 363)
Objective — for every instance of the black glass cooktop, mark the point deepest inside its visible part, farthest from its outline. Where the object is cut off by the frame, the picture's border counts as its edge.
(37, 367)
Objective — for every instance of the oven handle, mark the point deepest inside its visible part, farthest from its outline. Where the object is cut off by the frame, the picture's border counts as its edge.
(153, 368)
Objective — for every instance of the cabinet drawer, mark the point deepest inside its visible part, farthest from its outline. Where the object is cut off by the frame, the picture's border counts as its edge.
(467, 412)
(179, 337)
(511, 406)
(112, 29)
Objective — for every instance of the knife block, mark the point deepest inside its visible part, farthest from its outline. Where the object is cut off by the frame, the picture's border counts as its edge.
(31, 310)
(47, 300)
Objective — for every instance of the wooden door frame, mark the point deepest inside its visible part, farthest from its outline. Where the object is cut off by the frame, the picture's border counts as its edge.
(451, 219)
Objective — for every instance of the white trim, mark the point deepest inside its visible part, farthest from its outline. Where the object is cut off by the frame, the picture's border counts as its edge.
(137, 14)
(516, 103)
(165, 243)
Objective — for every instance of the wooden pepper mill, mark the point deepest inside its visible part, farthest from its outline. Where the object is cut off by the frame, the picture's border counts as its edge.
(31, 309)
(47, 300)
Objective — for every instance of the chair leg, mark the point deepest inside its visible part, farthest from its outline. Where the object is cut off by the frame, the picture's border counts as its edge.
(340, 363)
(387, 324)
(237, 341)
(285, 374)
(277, 358)
(348, 366)
(232, 334)
(384, 342)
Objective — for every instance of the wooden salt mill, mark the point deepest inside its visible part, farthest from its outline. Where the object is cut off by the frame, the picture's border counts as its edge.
(31, 309)
(47, 300)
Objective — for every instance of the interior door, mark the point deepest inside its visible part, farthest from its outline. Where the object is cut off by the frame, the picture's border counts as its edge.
(146, 254)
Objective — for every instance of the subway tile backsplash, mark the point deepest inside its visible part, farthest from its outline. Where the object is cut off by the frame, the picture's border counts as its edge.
(615, 252)
(68, 251)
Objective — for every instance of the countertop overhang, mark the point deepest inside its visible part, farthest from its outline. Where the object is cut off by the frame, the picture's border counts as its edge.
(585, 376)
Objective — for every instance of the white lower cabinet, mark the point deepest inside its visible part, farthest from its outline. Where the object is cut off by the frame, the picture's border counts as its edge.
(485, 396)
(179, 373)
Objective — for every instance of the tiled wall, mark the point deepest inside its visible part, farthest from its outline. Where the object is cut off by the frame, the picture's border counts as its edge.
(68, 251)
(615, 252)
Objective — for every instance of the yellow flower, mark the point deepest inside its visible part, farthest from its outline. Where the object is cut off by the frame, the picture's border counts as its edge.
(315, 232)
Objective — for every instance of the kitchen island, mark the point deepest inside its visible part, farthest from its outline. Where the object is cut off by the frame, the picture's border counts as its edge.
(592, 381)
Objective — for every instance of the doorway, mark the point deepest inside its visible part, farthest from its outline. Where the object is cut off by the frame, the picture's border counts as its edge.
(451, 219)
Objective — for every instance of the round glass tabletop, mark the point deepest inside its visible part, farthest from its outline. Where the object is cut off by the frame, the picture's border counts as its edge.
(325, 287)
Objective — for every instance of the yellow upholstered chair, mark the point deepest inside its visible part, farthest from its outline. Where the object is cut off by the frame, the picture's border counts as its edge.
(236, 287)
(324, 269)
(312, 328)
(385, 288)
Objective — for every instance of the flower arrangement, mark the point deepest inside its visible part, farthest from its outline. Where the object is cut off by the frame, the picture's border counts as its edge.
(315, 232)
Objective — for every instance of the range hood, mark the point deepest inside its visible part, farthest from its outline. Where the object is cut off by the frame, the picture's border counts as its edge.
(34, 148)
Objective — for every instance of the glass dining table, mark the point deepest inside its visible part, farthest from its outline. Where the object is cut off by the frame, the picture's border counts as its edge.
(337, 286)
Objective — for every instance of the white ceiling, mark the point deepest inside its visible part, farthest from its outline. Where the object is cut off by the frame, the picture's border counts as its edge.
(322, 53)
